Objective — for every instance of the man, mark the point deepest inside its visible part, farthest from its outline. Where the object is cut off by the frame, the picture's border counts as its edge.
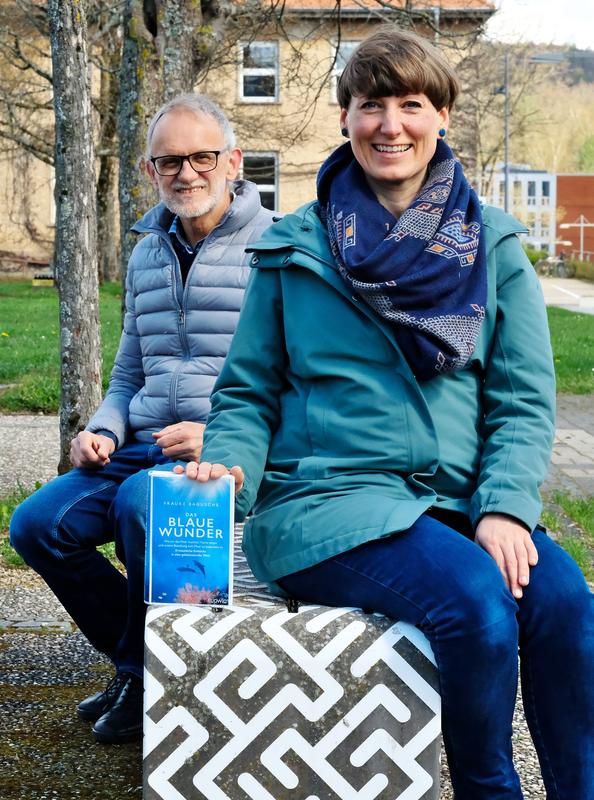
(184, 289)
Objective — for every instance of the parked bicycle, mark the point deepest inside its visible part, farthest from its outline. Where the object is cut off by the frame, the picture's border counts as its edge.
(554, 267)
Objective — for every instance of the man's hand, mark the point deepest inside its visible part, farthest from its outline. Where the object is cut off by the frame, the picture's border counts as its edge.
(181, 441)
(90, 450)
(205, 472)
(510, 544)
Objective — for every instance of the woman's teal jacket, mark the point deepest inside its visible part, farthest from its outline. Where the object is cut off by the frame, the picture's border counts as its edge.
(339, 442)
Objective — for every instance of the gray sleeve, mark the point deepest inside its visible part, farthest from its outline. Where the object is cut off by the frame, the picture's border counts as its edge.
(519, 397)
(127, 376)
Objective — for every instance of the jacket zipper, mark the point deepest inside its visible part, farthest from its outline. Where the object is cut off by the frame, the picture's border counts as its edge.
(181, 325)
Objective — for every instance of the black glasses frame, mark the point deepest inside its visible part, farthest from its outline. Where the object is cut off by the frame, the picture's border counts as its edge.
(156, 159)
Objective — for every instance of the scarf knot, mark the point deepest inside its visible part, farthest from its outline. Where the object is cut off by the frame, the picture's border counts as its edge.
(426, 273)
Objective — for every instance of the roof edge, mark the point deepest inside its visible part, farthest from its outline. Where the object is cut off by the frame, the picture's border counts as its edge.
(365, 13)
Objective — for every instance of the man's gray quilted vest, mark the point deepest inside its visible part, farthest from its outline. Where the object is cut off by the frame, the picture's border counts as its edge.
(176, 337)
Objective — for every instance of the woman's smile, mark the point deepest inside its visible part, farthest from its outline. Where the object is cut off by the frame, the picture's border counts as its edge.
(392, 148)
(394, 139)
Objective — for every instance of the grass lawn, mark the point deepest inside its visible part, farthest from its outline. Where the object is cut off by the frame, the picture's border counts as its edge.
(29, 359)
(578, 542)
(580, 509)
(8, 556)
(30, 344)
(572, 336)
(7, 505)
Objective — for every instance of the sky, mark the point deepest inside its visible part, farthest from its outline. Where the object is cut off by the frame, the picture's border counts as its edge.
(548, 21)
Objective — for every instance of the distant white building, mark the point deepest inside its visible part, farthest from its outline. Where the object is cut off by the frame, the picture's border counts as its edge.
(532, 199)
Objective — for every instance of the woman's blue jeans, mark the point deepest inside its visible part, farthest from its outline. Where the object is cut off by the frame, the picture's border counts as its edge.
(441, 581)
(58, 528)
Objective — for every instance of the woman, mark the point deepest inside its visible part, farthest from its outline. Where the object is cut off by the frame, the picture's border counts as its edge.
(387, 409)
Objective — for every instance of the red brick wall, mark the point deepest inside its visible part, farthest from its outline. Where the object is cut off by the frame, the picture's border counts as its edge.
(575, 196)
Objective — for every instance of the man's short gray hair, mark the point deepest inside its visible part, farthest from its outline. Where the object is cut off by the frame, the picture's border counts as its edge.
(199, 104)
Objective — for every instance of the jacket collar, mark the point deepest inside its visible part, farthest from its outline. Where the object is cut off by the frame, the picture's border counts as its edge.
(304, 232)
(301, 239)
(244, 206)
(300, 232)
(498, 225)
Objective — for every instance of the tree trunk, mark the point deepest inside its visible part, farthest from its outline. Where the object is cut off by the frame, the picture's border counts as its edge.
(141, 92)
(108, 242)
(178, 28)
(166, 44)
(76, 237)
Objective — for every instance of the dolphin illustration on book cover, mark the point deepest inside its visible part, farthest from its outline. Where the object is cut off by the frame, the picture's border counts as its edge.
(189, 541)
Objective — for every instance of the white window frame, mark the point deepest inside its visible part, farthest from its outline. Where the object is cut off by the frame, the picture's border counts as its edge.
(336, 70)
(255, 71)
(52, 198)
(265, 187)
(500, 199)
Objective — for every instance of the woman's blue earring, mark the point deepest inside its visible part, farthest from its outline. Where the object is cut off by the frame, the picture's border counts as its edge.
(345, 132)
(442, 132)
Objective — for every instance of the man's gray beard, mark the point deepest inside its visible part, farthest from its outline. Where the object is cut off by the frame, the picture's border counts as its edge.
(198, 209)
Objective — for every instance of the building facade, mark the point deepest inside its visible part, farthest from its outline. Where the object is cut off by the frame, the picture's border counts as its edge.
(532, 199)
(278, 86)
(557, 210)
(575, 214)
(282, 97)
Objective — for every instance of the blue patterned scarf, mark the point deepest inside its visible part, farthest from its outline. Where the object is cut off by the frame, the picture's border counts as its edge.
(426, 273)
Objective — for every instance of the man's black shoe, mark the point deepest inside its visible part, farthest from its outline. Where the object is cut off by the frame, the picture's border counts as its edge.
(123, 722)
(98, 704)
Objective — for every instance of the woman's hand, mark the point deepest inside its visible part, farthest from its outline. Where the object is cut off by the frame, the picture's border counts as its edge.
(511, 545)
(205, 471)
(182, 441)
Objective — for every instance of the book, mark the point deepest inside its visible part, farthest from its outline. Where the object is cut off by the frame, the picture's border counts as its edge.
(189, 540)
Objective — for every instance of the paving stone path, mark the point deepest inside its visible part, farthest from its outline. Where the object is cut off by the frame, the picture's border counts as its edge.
(30, 445)
(572, 462)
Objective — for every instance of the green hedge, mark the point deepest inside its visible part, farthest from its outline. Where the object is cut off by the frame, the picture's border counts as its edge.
(534, 255)
(582, 269)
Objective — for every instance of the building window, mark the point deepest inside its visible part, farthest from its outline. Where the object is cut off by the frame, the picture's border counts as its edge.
(531, 223)
(501, 193)
(546, 193)
(262, 169)
(517, 194)
(258, 72)
(341, 54)
(531, 193)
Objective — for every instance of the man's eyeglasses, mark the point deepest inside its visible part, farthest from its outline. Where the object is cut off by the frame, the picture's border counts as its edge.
(205, 161)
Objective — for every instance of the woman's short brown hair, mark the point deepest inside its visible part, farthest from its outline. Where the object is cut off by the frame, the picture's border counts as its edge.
(392, 62)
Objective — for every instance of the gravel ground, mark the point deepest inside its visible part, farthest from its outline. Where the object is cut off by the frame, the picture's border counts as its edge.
(46, 667)
(30, 450)
(46, 752)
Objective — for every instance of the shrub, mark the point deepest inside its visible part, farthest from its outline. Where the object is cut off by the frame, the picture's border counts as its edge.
(582, 269)
(534, 255)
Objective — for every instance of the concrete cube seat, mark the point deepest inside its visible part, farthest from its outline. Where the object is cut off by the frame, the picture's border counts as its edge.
(253, 701)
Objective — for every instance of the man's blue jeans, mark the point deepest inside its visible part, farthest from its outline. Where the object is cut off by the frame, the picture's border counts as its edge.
(57, 531)
(441, 581)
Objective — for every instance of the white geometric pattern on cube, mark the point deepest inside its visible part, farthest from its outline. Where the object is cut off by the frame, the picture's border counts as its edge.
(256, 702)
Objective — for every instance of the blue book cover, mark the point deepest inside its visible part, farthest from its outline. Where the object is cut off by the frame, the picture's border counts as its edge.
(189, 541)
